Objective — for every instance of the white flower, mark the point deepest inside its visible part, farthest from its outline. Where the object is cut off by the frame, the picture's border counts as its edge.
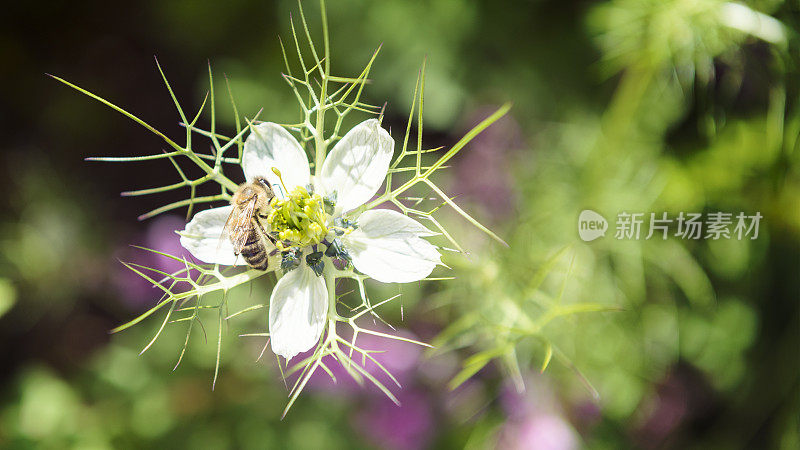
(383, 244)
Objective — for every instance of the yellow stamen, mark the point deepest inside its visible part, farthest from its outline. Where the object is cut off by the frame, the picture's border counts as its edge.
(280, 178)
(299, 220)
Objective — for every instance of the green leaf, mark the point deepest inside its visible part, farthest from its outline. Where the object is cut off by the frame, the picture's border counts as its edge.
(548, 355)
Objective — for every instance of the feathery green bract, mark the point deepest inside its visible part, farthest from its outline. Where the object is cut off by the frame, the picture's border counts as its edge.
(516, 316)
(325, 101)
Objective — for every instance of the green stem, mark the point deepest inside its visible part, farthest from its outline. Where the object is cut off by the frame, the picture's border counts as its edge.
(214, 173)
(319, 140)
(330, 284)
(224, 283)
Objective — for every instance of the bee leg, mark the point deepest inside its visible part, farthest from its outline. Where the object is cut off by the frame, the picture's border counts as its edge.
(263, 231)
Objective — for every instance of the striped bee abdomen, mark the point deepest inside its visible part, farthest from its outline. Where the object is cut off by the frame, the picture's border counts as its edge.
(254, 252)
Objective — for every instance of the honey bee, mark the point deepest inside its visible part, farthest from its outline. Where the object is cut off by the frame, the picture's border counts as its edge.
(245, 227)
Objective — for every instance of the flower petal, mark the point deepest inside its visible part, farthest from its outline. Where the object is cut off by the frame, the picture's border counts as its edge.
(204, 240)
(270, 145)
(388, 247)
(357, 165)
(298, 308)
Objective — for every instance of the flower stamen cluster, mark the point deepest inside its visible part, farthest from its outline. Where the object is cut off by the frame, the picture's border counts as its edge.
(299, 220)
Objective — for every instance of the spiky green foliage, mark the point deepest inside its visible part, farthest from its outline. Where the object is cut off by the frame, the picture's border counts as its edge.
(325, 101)
(516, 318)
(683, 35)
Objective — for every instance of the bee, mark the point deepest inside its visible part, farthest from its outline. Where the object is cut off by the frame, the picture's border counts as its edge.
(245, 227)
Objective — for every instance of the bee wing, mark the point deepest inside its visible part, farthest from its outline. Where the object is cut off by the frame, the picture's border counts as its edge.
(239, 224)
(268, 239)
(225, 234)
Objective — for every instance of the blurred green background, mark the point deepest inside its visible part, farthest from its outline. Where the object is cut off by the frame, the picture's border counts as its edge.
(629, 105)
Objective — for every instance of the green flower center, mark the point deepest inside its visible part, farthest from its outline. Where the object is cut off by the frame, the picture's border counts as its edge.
(299, 220)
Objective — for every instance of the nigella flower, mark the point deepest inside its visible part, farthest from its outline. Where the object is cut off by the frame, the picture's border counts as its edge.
(317, 229)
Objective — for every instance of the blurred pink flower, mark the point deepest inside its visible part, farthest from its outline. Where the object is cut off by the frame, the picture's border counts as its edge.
(534, 421)
(408, 426)
(539, 431)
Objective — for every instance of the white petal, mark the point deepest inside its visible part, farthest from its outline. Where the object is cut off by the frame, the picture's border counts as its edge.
(357, 165)
(388, 247)
(297, 312)
(204, 240)
(270, 145)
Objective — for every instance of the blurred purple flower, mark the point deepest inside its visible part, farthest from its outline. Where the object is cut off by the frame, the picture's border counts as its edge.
(408, 426)
(398, 357)
(160, 235)
(516, 405)
(585, 415)
(321, 382)
(683, 396)
(536, 397)
(482, 174)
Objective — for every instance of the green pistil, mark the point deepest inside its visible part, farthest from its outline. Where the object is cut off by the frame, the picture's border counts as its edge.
(299, 220)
